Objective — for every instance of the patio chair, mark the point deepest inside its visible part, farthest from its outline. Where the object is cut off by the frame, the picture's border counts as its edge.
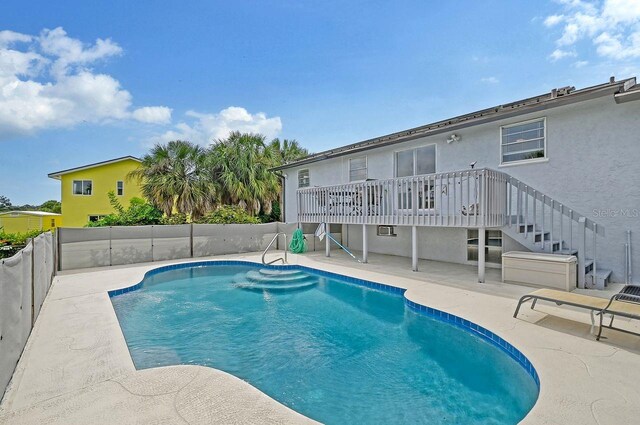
(626, 303)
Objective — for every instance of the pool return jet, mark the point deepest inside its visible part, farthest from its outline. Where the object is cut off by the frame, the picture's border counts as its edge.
(321, 232)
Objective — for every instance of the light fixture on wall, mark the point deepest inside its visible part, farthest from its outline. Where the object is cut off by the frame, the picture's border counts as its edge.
(453, 138)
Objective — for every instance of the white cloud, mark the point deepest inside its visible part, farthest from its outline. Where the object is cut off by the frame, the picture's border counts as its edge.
(553, 20)
(580, 64)
(45, 83)
(490, 80)
(560, 54)
(8, 37)
(204, 128)
(71, 52)
(612, 27)
(153, 114)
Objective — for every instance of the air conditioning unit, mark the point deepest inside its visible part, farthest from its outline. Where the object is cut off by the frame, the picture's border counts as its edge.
(386, 231)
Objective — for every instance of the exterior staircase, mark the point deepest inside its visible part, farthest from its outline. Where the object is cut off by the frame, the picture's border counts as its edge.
(542, 224)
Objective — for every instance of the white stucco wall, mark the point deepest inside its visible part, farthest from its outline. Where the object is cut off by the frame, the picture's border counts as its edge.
(593, 167)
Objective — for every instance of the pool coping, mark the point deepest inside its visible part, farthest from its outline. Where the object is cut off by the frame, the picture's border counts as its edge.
(420, 308)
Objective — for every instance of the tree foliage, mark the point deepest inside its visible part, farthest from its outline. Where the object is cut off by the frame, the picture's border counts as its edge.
(11, 243)
(52, 206)
(240, 166)
(138, 213)
(5, 203)
(184, 180)
(229, 214)
(287, 151)
(174, 178)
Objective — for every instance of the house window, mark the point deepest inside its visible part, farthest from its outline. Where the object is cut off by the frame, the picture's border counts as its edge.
(82, 187)
(303, 178)
(120, 188)
(96, 217)
(415, 162)
(53, 222)
(523, 141)
(358, 168)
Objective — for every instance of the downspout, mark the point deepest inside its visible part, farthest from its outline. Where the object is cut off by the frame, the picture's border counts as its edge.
(283, 182)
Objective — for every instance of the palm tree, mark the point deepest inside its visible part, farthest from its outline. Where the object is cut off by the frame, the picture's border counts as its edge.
(174, 177)
(240, 164)
(287, 151)
(284, 152)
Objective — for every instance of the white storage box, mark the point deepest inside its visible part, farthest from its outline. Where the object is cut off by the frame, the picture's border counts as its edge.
(545, 270)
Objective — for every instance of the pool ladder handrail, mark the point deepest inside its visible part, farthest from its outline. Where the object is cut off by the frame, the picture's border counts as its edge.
(284, 260)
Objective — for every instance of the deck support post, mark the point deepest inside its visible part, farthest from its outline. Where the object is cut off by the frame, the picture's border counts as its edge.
(582, 248)
(327, 242)
(414, 248)
(481, 254)
(365, 244)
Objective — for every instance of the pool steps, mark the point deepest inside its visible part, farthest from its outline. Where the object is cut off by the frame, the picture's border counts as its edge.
(275, 280)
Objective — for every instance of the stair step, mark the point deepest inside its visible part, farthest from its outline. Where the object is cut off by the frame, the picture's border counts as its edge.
(588, 265)
(555, 245)
(279, 272)
(598, 280)
(567, 252)
(278, 286)
(259, 277)
(538, 236)
(529, 227)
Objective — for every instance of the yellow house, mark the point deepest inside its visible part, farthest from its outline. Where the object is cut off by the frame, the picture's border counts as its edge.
(24, 221)
(84, 189)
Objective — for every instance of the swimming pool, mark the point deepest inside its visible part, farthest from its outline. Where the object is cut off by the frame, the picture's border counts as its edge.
(336, 349)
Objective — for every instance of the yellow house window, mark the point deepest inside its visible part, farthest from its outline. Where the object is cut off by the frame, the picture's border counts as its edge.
(120, 188)
(82, 187)
(53, 222)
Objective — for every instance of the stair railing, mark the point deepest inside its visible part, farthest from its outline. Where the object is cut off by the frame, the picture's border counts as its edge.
(264, 253)
(537, 214)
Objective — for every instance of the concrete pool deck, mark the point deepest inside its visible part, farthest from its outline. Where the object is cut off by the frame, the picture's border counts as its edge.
(76, 367)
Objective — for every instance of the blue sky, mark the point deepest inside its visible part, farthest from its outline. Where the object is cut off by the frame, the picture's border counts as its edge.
(82, 82)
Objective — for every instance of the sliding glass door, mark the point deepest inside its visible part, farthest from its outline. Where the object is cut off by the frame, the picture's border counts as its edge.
(415, 162)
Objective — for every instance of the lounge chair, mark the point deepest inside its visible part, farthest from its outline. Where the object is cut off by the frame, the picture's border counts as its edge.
(626, 303)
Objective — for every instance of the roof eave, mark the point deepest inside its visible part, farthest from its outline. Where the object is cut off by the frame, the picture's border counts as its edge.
(58, 174)
(501, 112)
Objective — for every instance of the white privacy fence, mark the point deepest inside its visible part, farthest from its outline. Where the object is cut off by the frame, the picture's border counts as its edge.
(25, 280)
(110, 246)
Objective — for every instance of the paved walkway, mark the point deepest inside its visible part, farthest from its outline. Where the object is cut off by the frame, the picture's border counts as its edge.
(76, 368)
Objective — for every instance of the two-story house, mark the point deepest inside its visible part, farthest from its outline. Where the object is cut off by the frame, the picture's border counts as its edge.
(557, 173)
(84, 189)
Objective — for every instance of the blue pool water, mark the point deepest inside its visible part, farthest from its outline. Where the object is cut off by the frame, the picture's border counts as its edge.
(335, 351)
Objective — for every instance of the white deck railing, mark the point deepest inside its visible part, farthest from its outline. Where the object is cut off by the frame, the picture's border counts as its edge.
(469, 198)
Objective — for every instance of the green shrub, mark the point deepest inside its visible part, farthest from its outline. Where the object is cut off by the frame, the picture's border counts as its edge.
(139, 213)
(274, 216)
(179, 218)
(228, 214)
(11, 243)
(17, 238)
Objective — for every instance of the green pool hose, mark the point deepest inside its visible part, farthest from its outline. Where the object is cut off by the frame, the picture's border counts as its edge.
(298, 244)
